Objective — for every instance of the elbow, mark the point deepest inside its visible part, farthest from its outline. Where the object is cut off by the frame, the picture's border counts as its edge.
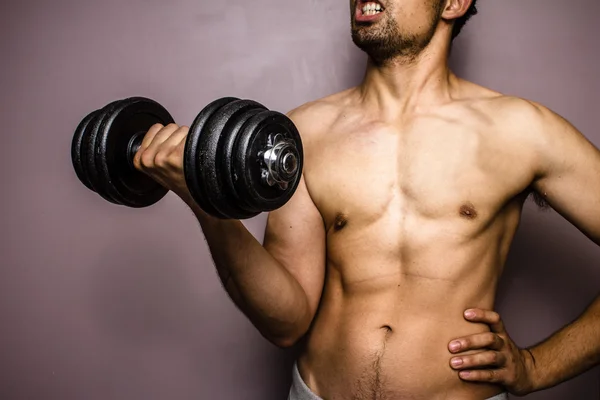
(287, 338)
(285, 342)
(288, 332)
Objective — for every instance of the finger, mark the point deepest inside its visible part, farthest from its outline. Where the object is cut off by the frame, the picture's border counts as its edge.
(488, 340)
(487, 317)
(161, 136)
(149, 136)
(146, 156)
(182, 141)
(174, 139)
(483, 375)
(169, 153)
(479, 360)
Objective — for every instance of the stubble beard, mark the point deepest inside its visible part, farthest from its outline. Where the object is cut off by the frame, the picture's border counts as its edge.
(385, 42)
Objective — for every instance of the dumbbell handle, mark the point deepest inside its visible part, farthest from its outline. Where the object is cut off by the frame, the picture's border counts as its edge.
(134, 146)
(281, 160)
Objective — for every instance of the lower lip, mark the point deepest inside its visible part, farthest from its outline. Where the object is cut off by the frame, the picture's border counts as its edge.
(360, 17)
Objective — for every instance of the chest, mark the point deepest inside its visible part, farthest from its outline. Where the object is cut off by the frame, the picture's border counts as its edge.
(430, 170)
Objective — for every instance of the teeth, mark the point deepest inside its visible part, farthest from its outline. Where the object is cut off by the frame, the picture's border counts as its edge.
(371, 8)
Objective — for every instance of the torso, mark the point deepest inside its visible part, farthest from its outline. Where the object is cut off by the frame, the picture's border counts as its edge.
(420, 214)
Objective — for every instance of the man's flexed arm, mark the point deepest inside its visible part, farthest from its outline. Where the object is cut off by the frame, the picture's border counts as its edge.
(278, 285)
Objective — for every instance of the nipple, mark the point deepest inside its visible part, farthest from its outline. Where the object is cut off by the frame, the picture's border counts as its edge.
(340, 222)
(468, 211)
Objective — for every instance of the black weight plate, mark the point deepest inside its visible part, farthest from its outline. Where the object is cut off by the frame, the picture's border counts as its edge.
(78, 152)
(194, 155)
(251, 141)
(124, 183)
(227, 147)
(89, 150)
(215, 170)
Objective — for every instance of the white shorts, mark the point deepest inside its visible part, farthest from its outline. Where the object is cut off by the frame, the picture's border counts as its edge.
(299, 390)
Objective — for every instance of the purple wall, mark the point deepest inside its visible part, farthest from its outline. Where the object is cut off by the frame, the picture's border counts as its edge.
(103, 302)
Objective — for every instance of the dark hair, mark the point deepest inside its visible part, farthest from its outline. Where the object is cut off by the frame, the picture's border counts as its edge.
(460, 22)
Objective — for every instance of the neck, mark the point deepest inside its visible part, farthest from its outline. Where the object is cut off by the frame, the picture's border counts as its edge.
(404, 85)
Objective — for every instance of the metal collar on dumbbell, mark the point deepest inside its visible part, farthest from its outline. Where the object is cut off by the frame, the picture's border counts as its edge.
(280, 161)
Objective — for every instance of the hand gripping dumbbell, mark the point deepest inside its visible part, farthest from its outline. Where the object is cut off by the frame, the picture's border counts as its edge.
(240, 158)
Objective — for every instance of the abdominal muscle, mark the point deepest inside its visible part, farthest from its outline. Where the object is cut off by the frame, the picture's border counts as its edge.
(385, 321)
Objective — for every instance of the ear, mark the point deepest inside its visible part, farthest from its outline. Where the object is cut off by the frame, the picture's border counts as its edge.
(455, 9)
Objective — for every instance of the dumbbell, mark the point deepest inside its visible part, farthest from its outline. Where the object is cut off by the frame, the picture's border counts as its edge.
(240, 158)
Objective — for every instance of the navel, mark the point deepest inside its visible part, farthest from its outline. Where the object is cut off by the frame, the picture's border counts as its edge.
(468, 211)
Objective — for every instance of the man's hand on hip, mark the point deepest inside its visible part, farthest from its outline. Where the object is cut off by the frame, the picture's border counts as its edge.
(495, 358)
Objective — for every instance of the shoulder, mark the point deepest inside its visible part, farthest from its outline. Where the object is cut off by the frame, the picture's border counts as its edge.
(529, 129)
(516, 117)
(525, 112)
(533, 123)
(515, 113)
(500, 106)
(535, 132)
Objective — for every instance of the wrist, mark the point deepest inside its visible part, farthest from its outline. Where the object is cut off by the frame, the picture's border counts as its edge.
(532, 379)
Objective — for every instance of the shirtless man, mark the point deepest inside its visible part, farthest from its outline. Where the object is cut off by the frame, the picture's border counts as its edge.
(412, 191)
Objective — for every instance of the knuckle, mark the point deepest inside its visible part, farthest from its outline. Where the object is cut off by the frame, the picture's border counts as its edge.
(161, 159)
(180, 134)
(489, 338)
(500, 341)
(146, 160)
(495, 317)
(502, 359)
(136, 157)
(474, 375)
(479, 375)
(466, 361)
(173, 160)
(175, 138)
(510, 345)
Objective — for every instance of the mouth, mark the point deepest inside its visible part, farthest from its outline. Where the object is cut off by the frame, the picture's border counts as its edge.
(368, 11)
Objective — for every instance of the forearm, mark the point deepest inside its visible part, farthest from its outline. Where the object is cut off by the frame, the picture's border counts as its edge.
(258, 284)
(568, 353)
